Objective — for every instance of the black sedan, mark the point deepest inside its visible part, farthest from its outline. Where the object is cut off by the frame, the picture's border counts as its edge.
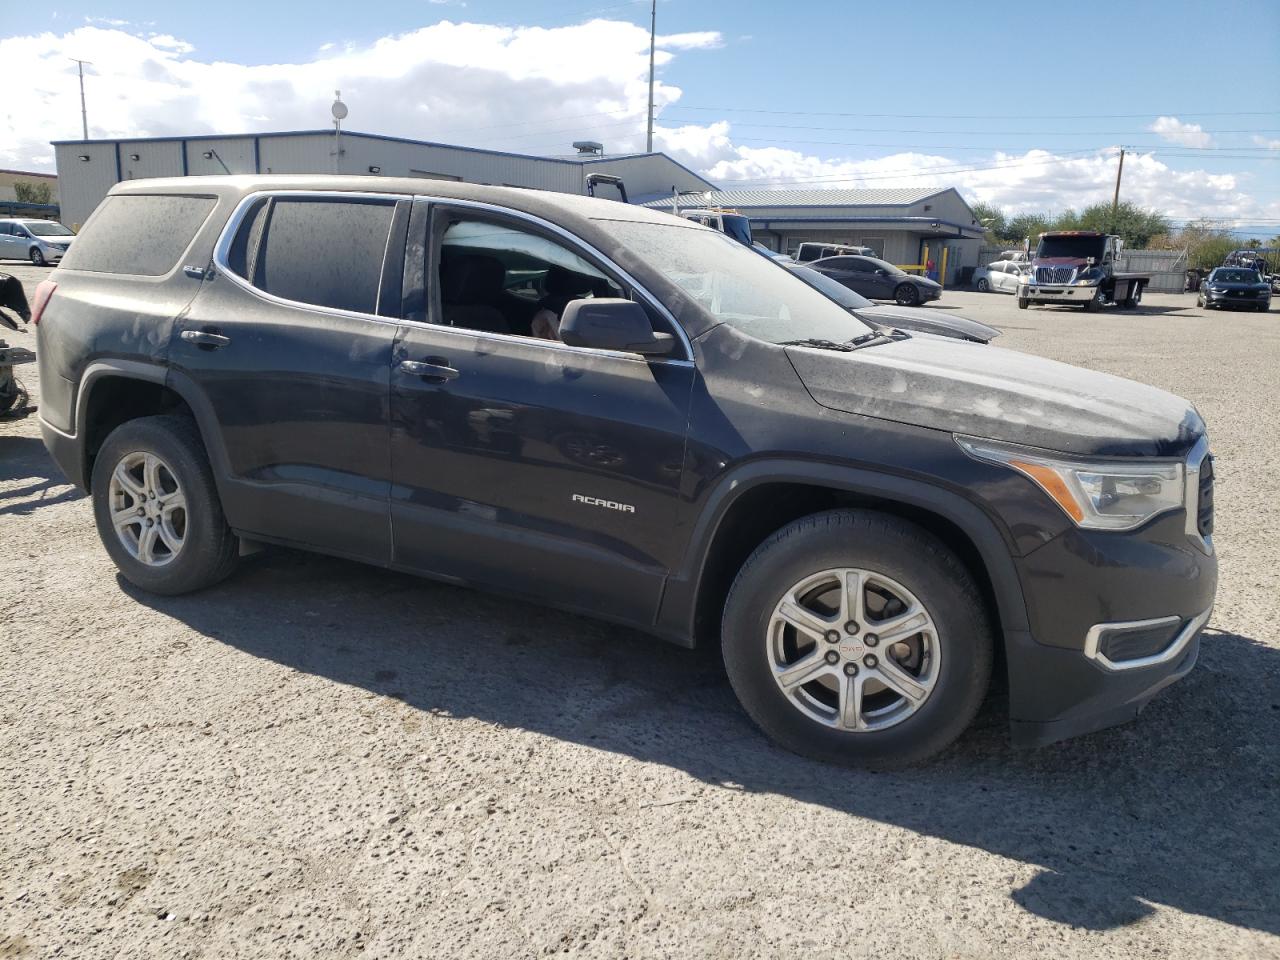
(1235, 287)
(878, 280)
(886, 317)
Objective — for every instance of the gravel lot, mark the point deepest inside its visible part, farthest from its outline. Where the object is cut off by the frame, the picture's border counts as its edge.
(322, 759)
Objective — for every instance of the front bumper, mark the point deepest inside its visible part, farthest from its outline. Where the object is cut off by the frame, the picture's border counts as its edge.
(1225, 299)
(52, 254)
(1057, 293)
(1090, 595)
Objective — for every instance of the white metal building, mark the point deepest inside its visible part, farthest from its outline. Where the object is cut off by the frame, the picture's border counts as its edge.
(87, 169)
(896, 223)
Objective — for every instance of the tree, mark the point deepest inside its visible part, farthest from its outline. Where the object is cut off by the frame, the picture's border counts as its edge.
(992, 220)
(27, 192)
(1207, 245)
(1027, 225)
(1135, 225)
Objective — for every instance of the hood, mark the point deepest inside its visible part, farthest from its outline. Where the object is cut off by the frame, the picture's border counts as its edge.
(925, 282)
(1236, 285)
(921, 321)
(1001, 395)
(1059, 262)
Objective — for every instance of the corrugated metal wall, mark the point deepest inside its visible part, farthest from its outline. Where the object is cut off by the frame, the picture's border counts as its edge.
(83, 184)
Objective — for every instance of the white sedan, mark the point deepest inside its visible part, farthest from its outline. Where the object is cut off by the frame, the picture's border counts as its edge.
(1003, 276)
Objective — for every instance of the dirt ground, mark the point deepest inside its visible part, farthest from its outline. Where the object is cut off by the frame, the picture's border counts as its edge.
(320, 759)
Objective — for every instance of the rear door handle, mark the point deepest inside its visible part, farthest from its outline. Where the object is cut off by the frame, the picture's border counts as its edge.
(435, 369)
(205, 339)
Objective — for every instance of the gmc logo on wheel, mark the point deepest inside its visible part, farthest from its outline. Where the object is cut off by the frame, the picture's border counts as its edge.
(609, 504)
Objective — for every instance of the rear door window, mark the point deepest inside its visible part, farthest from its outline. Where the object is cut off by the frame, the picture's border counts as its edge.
(138, 234)
(327, 253)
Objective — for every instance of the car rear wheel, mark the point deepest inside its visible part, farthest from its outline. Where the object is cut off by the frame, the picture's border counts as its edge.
(857, 638)
(1023, 303)
(157, 508)
(906, 295)
(37, 257)
(983, 285)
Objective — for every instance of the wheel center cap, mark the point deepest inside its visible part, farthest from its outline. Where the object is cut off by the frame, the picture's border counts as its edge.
(851, 649)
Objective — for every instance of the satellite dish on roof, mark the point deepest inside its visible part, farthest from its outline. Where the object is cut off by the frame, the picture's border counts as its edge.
(339, 109)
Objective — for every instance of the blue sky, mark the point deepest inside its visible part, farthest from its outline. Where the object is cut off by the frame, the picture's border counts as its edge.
(832, 94)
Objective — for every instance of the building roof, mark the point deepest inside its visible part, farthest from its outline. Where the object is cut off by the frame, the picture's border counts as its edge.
(576, 161)
(30, 173)
(879, 197)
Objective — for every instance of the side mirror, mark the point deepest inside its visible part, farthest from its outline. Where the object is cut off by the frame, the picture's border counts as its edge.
(881, 272)
(606, 323)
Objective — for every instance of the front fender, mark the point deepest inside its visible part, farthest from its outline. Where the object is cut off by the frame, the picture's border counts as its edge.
(676, 617)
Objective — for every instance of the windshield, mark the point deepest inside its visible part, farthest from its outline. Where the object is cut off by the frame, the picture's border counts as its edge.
(878, 264)
(47, 228)
(828, 287)
(1235, 276)
(1075, 248)
(736, 285)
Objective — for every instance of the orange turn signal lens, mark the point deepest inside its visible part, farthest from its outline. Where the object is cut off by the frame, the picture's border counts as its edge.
(1052, 484)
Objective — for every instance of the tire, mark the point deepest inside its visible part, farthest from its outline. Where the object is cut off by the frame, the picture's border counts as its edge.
(1091, 305)
(188, 515)
(37, 257)
(906, 295)
(983, 285)
(1023, 303)
(892, 552)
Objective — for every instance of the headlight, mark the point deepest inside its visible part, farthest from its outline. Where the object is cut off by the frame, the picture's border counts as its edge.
(1097, 494)
(1089, 276)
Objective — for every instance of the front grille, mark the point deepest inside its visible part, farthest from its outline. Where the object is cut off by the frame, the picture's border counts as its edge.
(1120, 645)
(1204, 501)
(1055, 274)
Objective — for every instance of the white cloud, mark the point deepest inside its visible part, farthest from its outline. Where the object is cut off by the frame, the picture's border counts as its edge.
(525, 89)
(1264, 142)
(1185, 134)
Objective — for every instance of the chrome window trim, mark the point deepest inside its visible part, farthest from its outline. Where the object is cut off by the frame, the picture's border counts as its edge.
(222, 249)
(681, 334)
(1093, 640)
(1191, 495)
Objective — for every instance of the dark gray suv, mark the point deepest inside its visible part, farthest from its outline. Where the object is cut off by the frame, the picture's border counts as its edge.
(620, 412)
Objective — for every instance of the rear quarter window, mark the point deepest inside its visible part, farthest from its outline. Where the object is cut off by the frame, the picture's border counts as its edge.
(317, 251)
(140, 235)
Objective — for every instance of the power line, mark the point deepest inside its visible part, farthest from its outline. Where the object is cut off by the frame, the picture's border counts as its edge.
(915, 172)
(986, 116)
(982, 133)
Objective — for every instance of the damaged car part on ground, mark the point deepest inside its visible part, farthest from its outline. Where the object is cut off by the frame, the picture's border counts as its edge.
(709, 449)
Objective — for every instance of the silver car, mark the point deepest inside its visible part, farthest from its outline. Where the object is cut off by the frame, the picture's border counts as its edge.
(1002, 276)
(40, 241)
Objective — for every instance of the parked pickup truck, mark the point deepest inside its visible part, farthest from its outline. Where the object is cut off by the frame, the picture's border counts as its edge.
(865, 522)
(1079, 266)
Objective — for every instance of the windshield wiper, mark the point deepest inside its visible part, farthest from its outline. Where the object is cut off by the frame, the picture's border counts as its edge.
(869, 339)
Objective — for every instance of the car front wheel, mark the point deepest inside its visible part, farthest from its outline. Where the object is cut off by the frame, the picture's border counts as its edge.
(37, 257)
(906, 295)
(157, 508)
(857, 638)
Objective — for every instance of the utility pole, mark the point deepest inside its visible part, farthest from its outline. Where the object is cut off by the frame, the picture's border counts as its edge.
(84, 114)
(653, 26)
(1115, 200)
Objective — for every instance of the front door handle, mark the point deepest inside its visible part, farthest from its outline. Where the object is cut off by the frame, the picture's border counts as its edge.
(435, 369)
(205, 339)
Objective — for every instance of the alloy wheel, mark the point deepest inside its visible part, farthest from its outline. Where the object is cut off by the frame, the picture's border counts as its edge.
(853, 650)
(148, 508)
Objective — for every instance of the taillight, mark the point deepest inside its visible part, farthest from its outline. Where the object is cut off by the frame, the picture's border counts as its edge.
(44, 290)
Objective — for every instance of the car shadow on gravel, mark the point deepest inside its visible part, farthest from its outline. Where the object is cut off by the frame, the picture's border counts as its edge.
(25, 458)
(1177, 808)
